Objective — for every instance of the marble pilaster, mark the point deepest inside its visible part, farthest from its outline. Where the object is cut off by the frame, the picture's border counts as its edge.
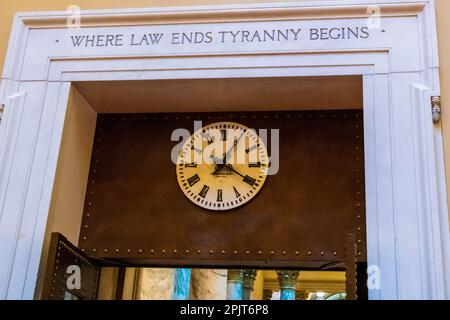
(182, 284)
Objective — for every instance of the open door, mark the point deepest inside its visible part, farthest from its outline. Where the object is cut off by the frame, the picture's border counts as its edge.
(70, 273)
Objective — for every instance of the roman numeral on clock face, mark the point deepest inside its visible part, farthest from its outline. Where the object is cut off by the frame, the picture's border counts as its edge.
(193, 180)
(224, 134)
(204, 191)
(219, 195)
(208, 138)
(236, 192)
(191, 165)
(249, 180)
(254, 165)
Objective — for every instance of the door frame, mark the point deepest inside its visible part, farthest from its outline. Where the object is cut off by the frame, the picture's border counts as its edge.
(406, 198)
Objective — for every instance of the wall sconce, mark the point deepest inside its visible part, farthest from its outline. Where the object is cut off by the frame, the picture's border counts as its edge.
(436, 108)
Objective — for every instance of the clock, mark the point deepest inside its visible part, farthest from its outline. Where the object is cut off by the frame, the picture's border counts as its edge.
(222, 166)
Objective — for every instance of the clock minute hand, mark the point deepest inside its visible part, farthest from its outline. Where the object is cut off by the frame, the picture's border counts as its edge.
(235, 143)
(230, 168)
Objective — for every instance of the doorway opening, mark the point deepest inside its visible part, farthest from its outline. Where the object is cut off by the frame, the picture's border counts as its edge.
(90, 102)
(221, 284)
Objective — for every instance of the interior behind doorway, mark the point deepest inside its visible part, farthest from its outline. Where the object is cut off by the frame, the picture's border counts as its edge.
(211, 284)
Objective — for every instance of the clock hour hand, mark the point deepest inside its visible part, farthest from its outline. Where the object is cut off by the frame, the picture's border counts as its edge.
(219, 164)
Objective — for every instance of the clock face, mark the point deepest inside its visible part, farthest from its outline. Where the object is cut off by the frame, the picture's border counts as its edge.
(222, 166)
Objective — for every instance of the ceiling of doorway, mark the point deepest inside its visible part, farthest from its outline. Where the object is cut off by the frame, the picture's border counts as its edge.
(230, 94)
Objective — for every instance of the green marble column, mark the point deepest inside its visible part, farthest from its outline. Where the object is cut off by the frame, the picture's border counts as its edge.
(182, 284)
(249, 277)
(235, 283)
(287, 280)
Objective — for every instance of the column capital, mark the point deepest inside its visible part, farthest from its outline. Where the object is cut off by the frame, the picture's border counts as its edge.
(236, 275)
(287, 278)
(249, 276)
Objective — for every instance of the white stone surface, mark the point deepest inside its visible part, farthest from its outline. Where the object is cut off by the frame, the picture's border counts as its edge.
(208, 284)
(155, 284)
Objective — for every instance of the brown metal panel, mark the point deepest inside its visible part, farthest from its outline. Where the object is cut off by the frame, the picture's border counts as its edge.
(135, 210)
(350, 268)
(63, 254)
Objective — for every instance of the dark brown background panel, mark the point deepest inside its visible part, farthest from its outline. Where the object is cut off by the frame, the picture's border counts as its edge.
(136, 210)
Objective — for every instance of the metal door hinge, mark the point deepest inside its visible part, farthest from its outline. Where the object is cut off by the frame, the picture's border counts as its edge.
(2, 108)
(436, 108)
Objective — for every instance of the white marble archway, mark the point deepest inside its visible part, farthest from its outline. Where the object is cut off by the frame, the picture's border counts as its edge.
(407, 221)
